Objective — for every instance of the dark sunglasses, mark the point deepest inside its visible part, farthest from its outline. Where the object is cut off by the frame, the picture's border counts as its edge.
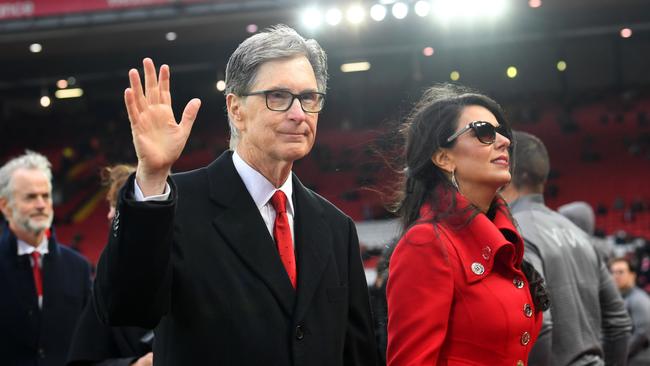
(485, 132)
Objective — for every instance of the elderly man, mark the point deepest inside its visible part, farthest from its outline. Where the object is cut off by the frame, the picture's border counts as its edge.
(237, 263)
(587, 323)
(44, 285)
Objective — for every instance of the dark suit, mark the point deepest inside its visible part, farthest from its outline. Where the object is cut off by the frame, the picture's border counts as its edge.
(29, 336)
(203, 268)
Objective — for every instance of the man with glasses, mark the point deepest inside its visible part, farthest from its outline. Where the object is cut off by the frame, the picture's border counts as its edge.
(237, 263)
(587, 323)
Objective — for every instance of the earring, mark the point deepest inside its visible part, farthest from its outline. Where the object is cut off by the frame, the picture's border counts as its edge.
(454, 182)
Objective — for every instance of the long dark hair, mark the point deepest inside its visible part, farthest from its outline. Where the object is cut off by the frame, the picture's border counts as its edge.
(426, 129)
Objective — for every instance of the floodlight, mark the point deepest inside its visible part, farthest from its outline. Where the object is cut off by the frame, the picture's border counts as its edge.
(355, 14)
(312, 18)
(378, 12)
(422, 8)
(400, 10)
(333, 16)
(511, 72)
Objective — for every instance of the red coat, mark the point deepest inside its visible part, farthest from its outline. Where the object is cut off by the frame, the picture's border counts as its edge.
(458, 296)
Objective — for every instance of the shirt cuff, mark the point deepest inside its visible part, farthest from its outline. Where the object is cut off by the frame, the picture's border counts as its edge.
(139, 196)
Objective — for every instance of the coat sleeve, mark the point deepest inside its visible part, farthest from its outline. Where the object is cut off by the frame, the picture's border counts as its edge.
(540, 354)
(419, 292)
(133, 283)
(360, 347)
(616, 323)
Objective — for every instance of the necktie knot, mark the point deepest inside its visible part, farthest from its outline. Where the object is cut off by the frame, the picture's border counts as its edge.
(282, 235)
(36, 256)
(279, 201)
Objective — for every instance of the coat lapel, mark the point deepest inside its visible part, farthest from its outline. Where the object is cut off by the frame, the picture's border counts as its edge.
(313, 243)
(244, 230)
(20, 279)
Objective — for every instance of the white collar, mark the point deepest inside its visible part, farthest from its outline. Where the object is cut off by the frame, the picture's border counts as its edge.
(24, 248)
(260, 189)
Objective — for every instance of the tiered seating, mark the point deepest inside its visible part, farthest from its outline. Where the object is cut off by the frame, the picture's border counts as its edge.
(614, 174)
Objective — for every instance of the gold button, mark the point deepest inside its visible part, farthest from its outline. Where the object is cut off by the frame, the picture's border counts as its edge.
(525, 338)
(528, 310)
(520, 363)
(518, 282)
(478, 268)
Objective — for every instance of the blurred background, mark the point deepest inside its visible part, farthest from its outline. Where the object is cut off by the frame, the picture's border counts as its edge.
(575, 73)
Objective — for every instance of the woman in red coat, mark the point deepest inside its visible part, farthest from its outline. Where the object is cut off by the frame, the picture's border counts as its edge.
(457, 292)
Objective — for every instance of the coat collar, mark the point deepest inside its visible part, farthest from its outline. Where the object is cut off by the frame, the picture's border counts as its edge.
(524, 203)
(479, 240)
(9, 243)
(244, 230)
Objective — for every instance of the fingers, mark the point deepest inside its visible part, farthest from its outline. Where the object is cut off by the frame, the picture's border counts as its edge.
(136, 88)
(163, 81)
(150, 82)
(189, 114)
(131, 105)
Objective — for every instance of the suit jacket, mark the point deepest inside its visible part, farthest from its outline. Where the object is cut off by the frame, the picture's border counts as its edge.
(33, 336)
(457, 295)
(203, 268)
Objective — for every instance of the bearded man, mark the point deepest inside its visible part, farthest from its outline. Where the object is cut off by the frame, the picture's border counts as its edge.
(43, 285)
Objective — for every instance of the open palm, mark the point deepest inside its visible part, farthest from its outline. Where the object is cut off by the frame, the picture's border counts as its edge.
(158, 138)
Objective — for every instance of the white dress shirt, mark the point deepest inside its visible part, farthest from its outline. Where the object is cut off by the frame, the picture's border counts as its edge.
(260, 189)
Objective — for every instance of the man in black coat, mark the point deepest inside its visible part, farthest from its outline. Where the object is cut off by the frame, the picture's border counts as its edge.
(237, 263)
(43, 285)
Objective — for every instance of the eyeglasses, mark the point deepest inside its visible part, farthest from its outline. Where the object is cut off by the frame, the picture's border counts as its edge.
(282, 100)
(485, 132)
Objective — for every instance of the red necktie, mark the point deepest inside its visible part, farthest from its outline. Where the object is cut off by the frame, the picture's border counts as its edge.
(36, 270)
(282, 235)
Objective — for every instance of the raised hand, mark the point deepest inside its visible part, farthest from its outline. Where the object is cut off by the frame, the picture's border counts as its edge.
(157, 137)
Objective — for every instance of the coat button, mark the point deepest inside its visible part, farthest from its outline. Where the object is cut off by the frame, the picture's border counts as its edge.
(525, 338)
(41, 353)
(300, 334)
(478, 268)
(520, 363)
(518, 282)
(528, 310)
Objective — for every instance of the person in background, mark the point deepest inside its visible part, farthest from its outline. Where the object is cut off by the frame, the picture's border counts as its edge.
(587, 323)
(458, 292)
(237, 263)
(97, 344)
(44, 284)
(378, 301)
(637, 303)
(582, 215)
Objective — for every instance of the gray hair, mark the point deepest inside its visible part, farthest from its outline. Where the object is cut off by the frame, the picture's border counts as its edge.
(29, 160)
(274, 43)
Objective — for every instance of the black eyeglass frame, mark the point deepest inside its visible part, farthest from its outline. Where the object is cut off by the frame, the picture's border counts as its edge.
(474, 125)
(293, 97)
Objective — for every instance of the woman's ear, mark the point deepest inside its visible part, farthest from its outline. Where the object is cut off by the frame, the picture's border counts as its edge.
(443, 159)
